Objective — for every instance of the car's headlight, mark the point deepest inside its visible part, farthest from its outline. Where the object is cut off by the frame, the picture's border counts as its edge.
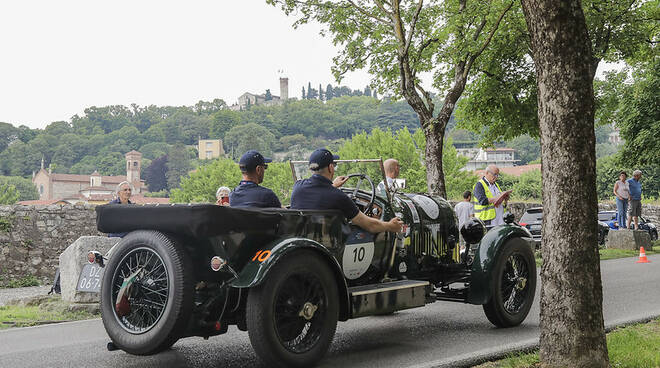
(473, 230)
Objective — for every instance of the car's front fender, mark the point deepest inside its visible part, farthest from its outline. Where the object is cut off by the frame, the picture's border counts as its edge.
(481, 282)
(257, 267)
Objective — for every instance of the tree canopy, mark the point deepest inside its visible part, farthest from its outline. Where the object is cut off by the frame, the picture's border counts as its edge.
(406, 147)
(98, 139)
(501, 102)
(399, 41)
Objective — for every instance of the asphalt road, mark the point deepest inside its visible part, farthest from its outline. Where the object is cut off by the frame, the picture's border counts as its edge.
(437, 335)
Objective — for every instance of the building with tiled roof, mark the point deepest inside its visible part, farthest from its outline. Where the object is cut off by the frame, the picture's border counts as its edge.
(56, 188)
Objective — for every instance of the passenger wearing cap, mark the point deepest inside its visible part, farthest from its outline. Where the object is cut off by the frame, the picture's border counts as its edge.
(319, 192)
(248, 193)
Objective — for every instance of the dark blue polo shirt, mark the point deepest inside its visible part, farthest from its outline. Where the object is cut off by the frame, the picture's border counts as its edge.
(317, 193)
(249, 194)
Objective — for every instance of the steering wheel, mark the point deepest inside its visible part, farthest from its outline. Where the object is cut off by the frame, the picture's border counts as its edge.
(353, 193)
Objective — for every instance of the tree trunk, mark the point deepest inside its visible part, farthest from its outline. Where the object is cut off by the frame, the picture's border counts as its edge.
(572, 333)
(435, 175)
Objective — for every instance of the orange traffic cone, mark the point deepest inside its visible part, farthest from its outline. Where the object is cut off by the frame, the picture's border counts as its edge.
(642, 256)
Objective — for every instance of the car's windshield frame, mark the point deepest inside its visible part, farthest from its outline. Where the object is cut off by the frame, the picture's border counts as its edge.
(303, 166)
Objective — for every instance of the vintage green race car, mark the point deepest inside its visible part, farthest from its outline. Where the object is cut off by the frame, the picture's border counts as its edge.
(287, 276)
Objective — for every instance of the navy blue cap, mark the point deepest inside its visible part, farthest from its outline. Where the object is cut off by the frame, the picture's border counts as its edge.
(321, 158)
(251, 159)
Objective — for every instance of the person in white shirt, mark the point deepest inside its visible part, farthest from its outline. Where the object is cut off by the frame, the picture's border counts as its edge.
(622, 193)
(392, 168)
(464, 210)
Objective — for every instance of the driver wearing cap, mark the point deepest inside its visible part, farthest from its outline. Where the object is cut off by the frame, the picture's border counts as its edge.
(248, 193)
(320, 192)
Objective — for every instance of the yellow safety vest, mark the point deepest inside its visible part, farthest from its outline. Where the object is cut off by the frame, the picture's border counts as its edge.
(486, 212)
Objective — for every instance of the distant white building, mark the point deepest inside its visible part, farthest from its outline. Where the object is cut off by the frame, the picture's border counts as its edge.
(480, 158)
(615, 137)
(252, 99)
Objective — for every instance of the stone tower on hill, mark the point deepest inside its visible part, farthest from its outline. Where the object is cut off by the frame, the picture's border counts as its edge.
(284, 89)
(133, 165)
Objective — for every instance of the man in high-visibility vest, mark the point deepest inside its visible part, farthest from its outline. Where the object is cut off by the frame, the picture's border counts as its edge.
(489, 200)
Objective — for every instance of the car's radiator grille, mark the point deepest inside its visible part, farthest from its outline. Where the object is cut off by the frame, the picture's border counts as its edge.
(431, 241)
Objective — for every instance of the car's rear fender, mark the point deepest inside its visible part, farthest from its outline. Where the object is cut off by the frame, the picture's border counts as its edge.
(257, 267)
(481, 282)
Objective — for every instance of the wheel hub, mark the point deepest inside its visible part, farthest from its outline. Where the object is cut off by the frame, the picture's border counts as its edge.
(521, 283)
(307, 311)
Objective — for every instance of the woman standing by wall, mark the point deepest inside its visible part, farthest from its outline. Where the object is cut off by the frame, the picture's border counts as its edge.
(622, 193)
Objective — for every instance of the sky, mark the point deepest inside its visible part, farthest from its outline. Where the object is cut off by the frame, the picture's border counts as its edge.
(59, 57)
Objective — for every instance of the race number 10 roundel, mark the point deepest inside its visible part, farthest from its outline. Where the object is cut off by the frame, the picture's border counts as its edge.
(357, 258)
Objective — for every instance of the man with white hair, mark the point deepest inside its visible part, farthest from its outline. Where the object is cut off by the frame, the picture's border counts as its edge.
(489, 200)
(635, 190)
(392, 168)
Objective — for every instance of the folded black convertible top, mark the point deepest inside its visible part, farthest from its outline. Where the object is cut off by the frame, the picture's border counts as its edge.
(198, 220)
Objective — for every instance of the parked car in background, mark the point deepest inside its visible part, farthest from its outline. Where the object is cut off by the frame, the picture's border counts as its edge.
(611, 218)
(533, 218)
(650, 227)
(603, 230)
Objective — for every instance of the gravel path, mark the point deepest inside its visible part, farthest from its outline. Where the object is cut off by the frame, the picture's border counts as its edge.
(24, 292)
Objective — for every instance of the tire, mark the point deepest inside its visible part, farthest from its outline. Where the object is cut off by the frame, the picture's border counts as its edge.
(654, 236)
(514, 288)
(294, 285)
(160, 306)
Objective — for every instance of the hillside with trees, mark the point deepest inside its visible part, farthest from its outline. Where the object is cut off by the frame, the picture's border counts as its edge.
(97, 139)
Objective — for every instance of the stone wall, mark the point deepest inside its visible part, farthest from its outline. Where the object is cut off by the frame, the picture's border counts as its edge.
(32, 237)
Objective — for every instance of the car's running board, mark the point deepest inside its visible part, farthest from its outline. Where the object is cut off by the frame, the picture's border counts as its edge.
(387, 297)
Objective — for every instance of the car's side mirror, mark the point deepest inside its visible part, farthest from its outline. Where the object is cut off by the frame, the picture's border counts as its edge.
(509, 218)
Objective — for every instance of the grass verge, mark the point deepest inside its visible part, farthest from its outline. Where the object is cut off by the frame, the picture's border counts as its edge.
(622, 253)
(636, 346)
(49, 310)
(606, 254)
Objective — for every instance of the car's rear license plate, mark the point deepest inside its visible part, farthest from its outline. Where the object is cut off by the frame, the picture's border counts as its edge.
(535, 227)
(90, 278)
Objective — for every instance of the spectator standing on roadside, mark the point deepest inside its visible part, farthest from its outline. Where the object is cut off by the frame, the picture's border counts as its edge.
(622, 193)
(124, 190)
(635, 190)
(464, 210)
(489, 200)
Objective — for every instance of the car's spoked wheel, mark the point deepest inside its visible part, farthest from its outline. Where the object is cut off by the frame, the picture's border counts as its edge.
(300, 309)
(147, 293)
(140, 290)
(292, 316)
(514, 284)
